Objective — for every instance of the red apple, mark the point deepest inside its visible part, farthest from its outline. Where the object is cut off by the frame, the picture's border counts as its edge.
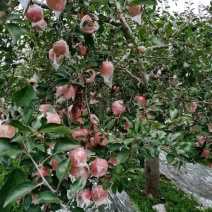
(205, 153)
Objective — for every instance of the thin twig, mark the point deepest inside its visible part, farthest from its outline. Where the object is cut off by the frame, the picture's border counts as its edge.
(86, 100)
(133, 76)
(156, 28)
(36, 166)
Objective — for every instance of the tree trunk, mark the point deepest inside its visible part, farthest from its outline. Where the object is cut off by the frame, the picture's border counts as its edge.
(152, 173)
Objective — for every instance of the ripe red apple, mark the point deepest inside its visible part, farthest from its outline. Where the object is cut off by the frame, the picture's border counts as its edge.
(88, 26)
(34, 13)
(126, 126)
(94, 120)
(92, 76)
(78, 157)
(33, 197)
(54, 164)
(84, 197)
(7, 131)
(205, 153)
(134, 10)
(56, 5)
(82, 49)
(113, 161)
(60, 48)
(79, 171)
(141, 99)
(107, 68)
(200, 140)
(81, 135)
(40, 25)
(99, 167)
(191, 107)
(141, 49)
(44, 171)
(99, 195)
(118, 108)
(53, 118)
(44, 108)
(91, 143)
(116, 89)
(100, 139)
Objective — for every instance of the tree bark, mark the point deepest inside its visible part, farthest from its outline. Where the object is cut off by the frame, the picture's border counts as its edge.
(152, 173)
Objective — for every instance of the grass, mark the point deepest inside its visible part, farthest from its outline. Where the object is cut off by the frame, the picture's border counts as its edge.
(176, 200)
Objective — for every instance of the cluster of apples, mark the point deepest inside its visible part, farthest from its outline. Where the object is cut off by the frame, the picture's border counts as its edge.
(97, 168)
(35, 14)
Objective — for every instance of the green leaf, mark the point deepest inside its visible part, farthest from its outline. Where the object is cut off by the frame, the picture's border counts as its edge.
(55, 128)
(47, 197)
(113, 147)
(18, 192)
(15, 31)
(170, 158)
(65, 145)
(106, 185)
(3, 5)
(179, 164)
(173, 113)
(157, 41)
(123, 156)
(9, 149)
(146, 154)
(138, 123)
(63, 169)
(14, 178)
(74, 187)
(119, 169)
(110, 124)
(142, 2)
(129, 141)
(24, 96)
(161, 134)
(20, 126)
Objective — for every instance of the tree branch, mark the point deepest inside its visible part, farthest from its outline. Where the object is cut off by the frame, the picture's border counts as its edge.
(36, 166)
(158, 47)
(140, 81)
(125, 28)
(165, 58)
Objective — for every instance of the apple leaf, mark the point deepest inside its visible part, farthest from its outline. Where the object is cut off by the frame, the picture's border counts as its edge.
(14, 178)
(55, 128)
(9, 149)
(123, 156)
(142, 2)
(75, 186)
(24, 96)
(64, 145)
(20, 126)
(19, 191)
(47, 197)
(63, 169)
(15, 31)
